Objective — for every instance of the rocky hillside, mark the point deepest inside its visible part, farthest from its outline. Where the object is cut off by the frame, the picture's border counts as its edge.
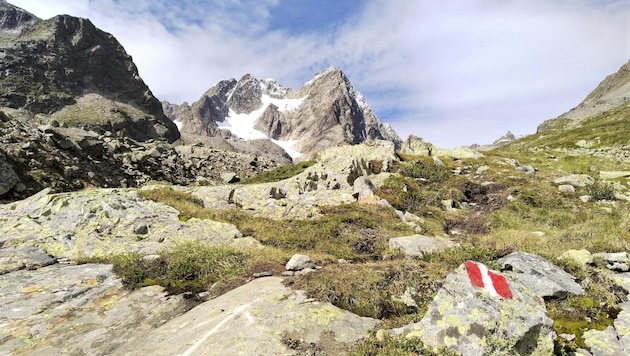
(69, 71)
(326, 112)
(613, 92)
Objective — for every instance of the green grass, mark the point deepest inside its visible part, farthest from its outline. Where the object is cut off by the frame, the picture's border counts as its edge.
(278, 174)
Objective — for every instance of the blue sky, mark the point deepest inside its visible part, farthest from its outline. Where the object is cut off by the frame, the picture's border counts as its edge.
(455, 72)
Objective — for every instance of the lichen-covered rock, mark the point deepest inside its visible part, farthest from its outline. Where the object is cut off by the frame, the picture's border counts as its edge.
(76, 310)
(581, 257)
(262, 317)
(604, 342)
(576, 180)
(101, 222)
(467, 319)
(418, 245)
(541, 276)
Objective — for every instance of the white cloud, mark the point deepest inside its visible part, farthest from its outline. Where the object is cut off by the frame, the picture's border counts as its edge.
(457, 72)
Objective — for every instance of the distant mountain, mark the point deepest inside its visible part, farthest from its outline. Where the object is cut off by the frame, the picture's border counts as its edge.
(74, 73)
(326, 112)
(611, 93)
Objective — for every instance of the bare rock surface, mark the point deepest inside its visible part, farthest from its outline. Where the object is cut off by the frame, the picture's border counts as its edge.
(541, 276)
(262, 317)
(76, 310)
(466, 319)
(15, 259)
(101, 222)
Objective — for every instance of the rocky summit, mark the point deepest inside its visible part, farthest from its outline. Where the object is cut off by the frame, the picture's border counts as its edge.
(326, 112)
(118, 236)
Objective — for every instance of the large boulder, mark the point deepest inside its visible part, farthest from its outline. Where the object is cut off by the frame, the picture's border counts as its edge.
(541, 276)
(471, 320)
(576, 180)
(262, 317)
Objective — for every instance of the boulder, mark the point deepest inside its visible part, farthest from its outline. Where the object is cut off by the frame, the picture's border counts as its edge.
(8, 178)
(299, 262)
(566, 188)
(614, 174)
(619, 262)
(581, 257)
(418, 245)
(461, 152)
(541, 276)
(604, 342)
(576, 180)
(469, 320)
(262, 317)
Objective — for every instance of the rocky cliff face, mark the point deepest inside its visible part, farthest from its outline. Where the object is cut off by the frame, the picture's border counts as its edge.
(611, 93)
(50, 65)
(326, 112)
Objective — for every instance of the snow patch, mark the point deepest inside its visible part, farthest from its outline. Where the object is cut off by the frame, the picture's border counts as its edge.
(179, 125)
(242, 125)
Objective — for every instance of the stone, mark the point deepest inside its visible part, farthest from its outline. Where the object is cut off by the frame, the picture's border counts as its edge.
(541, 276)
(141, 229)
(580, 257)
(229, 177)
(467, 320)
(566, 188)
(604, 342)
(619, 261)
(299, 262)
(8, 178)
(418, 245)
(585, 198)
(576, 180)
(613, 174)
(482, 169)
(30, 258)
(262, 317)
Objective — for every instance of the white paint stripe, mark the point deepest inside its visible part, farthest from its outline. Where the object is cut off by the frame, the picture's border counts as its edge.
(487, 282)
(192, 350)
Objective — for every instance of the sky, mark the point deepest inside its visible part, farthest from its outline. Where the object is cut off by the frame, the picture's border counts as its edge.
(454, 72)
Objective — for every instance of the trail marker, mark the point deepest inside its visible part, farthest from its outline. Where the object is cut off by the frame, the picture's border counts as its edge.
(494, 283)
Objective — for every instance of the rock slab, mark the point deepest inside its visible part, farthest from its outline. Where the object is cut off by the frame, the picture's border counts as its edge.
(541, 276)
(262, 317)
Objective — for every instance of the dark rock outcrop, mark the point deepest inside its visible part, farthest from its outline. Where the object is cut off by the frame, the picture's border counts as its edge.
(50, 64)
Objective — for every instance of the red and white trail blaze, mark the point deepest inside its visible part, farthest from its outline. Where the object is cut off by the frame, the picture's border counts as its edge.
(494, 283)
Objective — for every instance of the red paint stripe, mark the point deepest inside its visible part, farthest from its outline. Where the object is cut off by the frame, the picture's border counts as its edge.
(474, 273)
(500, 285)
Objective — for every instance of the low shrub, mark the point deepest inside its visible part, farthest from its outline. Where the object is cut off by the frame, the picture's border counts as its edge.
(278, 174)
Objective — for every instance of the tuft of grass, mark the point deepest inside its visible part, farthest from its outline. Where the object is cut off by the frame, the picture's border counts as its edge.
(190, 266)
(426, 169)
(395, 346)
(279, 173)
(188, 205)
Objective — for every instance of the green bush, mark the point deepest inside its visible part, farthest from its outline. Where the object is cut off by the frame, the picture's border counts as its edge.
(601, 191)
(426, 169)
(188, 267)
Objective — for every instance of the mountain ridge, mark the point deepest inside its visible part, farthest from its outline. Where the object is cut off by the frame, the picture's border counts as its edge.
(327, 111)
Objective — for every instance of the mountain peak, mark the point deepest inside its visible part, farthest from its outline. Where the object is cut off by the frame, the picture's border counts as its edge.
(13, 19)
